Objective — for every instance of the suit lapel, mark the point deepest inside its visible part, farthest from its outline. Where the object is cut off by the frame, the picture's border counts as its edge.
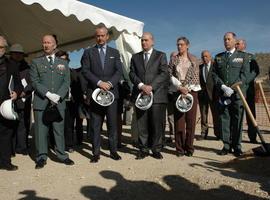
(96, 55)
(151, 59)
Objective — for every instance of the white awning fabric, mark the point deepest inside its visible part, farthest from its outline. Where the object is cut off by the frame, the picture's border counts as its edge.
(74, 23)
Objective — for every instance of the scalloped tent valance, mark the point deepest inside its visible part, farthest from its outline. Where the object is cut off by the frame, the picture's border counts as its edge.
(74, 22)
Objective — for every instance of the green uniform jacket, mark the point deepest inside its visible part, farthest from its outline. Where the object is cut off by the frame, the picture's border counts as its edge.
(55, 79)
(230, 70)
(253, 70)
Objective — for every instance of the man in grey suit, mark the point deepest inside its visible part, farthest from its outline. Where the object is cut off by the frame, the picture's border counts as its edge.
(207, 95)
(102, 68)
(149, 73)
(50, 80)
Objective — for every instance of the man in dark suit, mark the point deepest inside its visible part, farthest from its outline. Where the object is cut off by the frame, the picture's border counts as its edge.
(207, 95)
(230, 67)
(50, 80)
(252, 73)
(149, 73)
(102, 68)
(8, 69)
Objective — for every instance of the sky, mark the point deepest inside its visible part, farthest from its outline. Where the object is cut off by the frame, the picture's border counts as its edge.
(202, 22)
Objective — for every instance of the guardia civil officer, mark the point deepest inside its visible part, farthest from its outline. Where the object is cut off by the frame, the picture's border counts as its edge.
(230, 67)
(50, 78)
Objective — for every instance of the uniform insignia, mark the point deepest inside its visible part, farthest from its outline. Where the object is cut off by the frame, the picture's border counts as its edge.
(61, 67)
(238, 60)
(111, 57)
(218, 59)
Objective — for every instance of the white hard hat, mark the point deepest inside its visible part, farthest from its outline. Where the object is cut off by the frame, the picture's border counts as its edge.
(184, 102)
(103, 98)
(143, 101)
(7, 110)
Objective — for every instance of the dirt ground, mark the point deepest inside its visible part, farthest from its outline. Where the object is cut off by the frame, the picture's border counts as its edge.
(205, 176)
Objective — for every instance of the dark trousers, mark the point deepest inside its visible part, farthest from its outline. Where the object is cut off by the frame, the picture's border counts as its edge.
(6, 133)
(20, 139)
(97, 114)
(252, 133)
(151, 127)
(185, 124)
(73, 121)
(231, 118)
(204, 104)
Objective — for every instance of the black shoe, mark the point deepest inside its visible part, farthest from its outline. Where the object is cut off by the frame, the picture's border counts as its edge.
(115, 156)
(95, 159)
(200, 137)
(9, 167)
(69, 149)
(23, 152)
(237, 152)
(68, 161)
(141, 155)
(119, 146)
(157, 155)
(189, 154)
(254, 141)
(40, 164)
(223, 152)
(179, 154)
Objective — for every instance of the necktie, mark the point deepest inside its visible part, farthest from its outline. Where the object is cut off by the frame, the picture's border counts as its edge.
(102, 56)
(206, 72)
(50, 60)
(145, 59)
(228, 54)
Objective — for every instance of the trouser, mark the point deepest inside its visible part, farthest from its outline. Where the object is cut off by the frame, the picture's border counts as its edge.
(151, 127)
(97, 114)
(73, 120)
(185, 124)
(204, 104)
(6, 133)
(252, 132)
(231, 118)
(20, 139)
(41, 137)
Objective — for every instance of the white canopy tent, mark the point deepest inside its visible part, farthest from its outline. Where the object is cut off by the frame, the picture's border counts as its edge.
(74, 22)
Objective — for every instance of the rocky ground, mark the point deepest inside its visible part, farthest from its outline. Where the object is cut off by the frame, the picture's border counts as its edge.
(206, 175)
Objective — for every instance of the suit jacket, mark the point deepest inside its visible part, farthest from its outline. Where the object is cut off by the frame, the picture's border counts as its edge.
(208, 85)
(229, 70)
(93, 71)
(9, 68)
(155, 73)
(44, 78)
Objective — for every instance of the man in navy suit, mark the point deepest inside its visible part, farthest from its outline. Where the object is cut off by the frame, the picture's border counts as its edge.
(102, 68)
(149, 73)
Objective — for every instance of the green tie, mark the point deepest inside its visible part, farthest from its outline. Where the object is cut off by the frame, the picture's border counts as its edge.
(50, 60)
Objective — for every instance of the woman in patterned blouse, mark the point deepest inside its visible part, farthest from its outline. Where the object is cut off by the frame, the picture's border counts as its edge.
(184, 68)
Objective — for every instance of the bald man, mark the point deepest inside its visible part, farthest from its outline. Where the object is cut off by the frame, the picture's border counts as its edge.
(50, 78)
(149, 73)
(252, 73)
(207, 95)
(230, 67)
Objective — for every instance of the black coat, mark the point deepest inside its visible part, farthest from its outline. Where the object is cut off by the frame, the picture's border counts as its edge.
(8, 68)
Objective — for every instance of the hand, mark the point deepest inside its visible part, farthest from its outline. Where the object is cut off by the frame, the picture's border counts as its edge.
(13, 95)
(227, 90)
(104, 85)
(146, 89)
(53, 97)
(183, 90)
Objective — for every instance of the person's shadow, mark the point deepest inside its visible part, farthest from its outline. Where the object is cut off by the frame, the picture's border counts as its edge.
(31, 194)
(171, 187)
